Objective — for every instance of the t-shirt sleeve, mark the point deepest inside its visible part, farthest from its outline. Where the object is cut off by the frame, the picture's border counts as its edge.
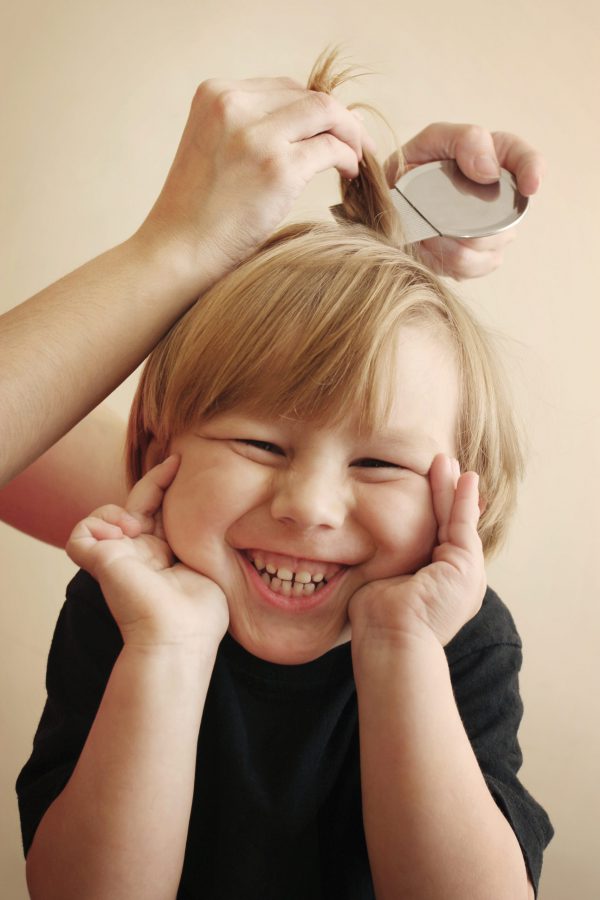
(485, 659)
(84, 648)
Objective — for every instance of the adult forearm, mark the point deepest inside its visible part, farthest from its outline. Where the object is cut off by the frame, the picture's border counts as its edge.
(65, 349)
(243, 158)
(118, 830)
(433, 829)
(82, 471)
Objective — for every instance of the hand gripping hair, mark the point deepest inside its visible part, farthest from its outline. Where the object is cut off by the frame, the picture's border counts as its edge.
(366, 198)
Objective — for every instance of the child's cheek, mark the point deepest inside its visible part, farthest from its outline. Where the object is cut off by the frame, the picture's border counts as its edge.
(404, 527)
(184, 515)
(176, 522)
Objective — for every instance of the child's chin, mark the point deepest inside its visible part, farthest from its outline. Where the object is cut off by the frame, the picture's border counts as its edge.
(286, 650)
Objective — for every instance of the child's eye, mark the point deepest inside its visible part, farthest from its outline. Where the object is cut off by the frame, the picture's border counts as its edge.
(261, 445)
(375, 464)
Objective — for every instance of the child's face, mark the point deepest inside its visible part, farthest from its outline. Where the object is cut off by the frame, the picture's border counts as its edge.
(312, 500)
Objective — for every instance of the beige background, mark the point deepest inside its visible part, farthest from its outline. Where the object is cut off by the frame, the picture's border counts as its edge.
(93, 98)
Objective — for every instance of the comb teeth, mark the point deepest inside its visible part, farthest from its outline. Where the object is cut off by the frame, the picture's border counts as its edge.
(415, 227)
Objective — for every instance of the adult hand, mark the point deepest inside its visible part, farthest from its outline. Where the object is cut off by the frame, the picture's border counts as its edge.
(248, 150)
(154, 599)
(440, 598)
(479, 154)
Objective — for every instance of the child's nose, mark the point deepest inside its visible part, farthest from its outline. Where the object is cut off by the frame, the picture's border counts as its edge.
(310, 500)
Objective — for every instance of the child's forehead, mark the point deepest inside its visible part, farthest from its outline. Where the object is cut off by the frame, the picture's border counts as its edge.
(414, 376)
(407, 384)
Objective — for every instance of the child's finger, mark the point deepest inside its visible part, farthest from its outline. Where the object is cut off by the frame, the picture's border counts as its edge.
(116, 515)
(462, 527)
(147, 495)
(442, 477)
(86, 535)
(455, 471)
(97, 529)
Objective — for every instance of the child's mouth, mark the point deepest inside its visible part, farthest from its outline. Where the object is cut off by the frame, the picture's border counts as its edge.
(283, 580)
(305, 586)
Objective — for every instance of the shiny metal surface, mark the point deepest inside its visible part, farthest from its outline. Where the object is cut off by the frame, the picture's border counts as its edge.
(437, 199)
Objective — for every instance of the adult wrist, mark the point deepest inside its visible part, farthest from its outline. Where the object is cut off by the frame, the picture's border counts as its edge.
(188, 266)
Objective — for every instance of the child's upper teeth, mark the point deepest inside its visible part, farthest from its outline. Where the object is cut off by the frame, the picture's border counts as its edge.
(284, 573)
(303, 577)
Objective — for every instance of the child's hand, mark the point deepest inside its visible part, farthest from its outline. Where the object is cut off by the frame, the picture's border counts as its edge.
(154, 600)
(440, 598)
(478, 153)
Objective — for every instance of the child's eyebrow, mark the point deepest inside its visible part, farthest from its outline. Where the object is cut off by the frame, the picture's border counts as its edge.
(416, 440)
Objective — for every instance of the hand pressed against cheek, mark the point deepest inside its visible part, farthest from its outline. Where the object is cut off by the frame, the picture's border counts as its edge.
(194, 518)
(402, 522)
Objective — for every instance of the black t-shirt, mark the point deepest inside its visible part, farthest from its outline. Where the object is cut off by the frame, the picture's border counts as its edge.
(277, 805)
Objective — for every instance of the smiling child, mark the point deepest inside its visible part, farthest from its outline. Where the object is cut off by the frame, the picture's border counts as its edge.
(283, 677)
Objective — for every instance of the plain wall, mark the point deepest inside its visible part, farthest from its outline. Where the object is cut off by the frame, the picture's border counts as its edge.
(93, 98)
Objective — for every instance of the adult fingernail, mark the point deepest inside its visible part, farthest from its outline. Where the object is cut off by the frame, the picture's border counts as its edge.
(486, 166)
